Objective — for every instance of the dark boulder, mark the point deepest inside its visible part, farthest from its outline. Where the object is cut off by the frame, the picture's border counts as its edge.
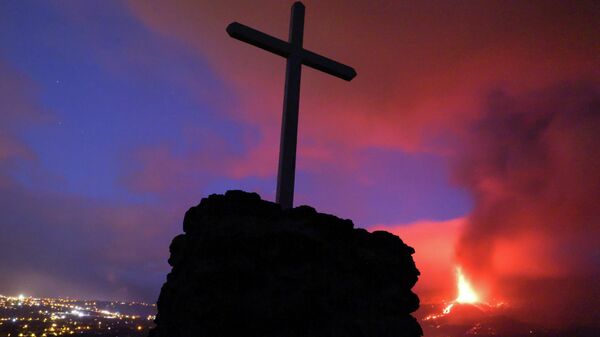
(246, 268)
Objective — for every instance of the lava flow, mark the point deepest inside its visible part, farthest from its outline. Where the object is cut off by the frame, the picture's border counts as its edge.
(466, 295)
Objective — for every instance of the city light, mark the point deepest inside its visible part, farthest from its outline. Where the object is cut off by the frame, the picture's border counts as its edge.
(27, 316)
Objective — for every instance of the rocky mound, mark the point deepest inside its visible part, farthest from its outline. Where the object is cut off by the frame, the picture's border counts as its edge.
(246, 268)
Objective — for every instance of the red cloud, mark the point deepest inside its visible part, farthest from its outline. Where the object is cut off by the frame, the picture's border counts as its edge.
(422, 67)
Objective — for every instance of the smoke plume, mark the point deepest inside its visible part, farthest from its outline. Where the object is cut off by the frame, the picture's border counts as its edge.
(533, 239)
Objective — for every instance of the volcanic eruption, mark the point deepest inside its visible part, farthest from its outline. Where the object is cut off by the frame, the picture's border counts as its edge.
(531, 239)
(466, 295)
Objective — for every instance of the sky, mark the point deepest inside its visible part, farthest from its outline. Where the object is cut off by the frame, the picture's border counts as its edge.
(470, 131)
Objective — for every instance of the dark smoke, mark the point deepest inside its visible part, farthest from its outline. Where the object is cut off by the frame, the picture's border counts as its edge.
(532, 164)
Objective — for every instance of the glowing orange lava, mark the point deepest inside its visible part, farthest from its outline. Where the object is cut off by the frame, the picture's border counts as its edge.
(466, 293)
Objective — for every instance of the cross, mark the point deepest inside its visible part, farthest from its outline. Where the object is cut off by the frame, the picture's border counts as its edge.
(296, 56)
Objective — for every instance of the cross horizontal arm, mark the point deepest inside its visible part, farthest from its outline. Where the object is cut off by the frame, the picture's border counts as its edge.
(258, 39)
(328, 66)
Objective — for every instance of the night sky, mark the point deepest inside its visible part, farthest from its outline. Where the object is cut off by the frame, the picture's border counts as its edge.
(471, 131)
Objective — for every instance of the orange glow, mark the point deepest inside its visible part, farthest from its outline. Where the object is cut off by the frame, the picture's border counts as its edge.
(434, 242)
(466, 293)
(448, 308)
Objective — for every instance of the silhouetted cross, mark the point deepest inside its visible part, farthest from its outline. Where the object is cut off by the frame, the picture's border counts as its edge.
(296, 57)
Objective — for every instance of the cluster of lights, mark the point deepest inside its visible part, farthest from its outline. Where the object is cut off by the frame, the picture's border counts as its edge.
(41, 317)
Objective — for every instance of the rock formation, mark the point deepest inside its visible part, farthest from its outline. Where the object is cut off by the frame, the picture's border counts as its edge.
(246, 268)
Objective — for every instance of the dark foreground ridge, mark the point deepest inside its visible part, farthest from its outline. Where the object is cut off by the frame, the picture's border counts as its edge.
(245, 268)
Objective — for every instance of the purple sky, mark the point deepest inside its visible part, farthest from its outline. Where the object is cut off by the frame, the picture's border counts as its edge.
(118, 116)
(91, 98)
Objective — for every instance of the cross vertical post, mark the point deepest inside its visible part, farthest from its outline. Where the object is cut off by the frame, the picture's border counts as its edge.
(291, 100)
